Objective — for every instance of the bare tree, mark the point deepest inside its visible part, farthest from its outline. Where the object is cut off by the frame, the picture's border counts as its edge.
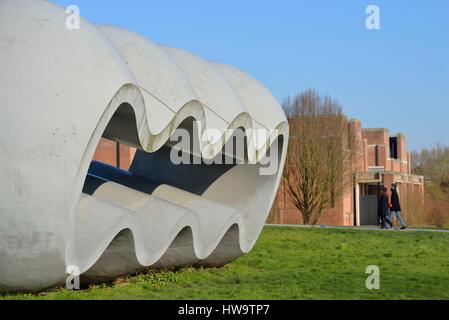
(320, 156)
(433, 163)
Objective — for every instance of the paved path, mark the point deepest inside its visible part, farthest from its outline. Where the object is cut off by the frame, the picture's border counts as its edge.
(357, 228)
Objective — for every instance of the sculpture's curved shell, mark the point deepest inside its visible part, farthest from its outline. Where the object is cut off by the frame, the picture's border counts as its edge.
(61, 90)
(164, 85)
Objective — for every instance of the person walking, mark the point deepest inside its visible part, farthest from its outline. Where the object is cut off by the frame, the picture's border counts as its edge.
(383, 209)
(396, 207)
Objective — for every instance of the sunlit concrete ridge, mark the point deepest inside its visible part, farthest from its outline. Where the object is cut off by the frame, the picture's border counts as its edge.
(62, 90)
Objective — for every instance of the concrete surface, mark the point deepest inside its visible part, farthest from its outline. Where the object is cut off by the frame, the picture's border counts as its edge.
(61, 91)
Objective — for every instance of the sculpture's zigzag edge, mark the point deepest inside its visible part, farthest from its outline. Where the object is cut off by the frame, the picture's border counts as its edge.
(148, 257)
(137, 52)
(154, 142)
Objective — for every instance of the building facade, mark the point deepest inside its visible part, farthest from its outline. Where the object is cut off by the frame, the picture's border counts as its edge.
(381, 159)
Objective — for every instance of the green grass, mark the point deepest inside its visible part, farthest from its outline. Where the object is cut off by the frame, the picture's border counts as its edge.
(300, 263)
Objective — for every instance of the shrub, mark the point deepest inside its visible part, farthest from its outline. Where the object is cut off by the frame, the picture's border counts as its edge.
(434, 213)
(438, 212)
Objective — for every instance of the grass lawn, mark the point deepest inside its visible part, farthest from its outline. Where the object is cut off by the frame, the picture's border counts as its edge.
(300, 263)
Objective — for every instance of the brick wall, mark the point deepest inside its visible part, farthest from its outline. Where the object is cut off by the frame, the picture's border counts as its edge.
(107, 152)
(376, 136)
(340, 214)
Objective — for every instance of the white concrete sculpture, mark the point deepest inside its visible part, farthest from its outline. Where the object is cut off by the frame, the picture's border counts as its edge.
(61, 91)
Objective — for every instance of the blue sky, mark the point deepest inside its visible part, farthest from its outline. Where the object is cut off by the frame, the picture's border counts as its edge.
(396, 77)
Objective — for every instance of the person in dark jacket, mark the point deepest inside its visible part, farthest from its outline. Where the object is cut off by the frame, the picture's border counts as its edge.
(383, 210)
(396, 207)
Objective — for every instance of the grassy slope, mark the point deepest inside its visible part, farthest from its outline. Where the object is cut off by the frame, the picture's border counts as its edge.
(300, 263)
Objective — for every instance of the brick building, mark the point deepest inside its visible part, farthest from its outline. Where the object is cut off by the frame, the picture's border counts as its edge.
(381, 160)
